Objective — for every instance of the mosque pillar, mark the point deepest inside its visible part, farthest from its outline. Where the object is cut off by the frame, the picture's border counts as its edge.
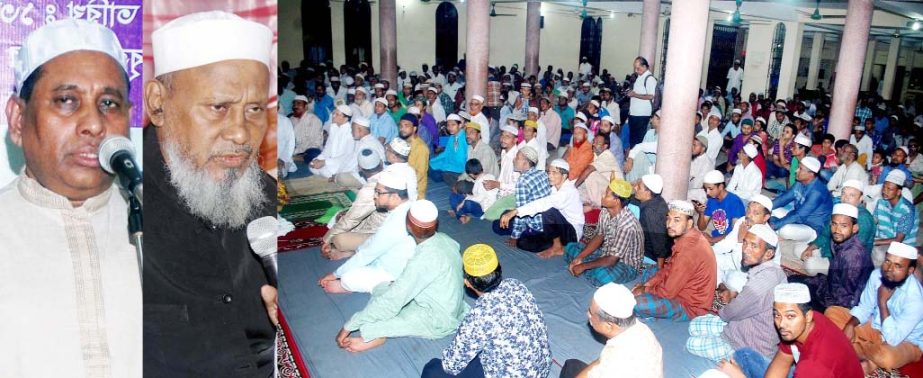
(533, 36)
(684, 67)
(650, 15)
(887, 85)
(706, 57)
(867, 67)
(849, 66)
(817, 49)
(387, 21)
(477, 47)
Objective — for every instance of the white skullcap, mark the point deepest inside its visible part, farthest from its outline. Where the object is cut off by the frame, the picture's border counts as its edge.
(509, 129)
(362, 89)
(794, 293)
(478, 98)
(653, 182)
(714, 177)
(203, 38)
(905, 149)
(736, 111)
(348, 81)
(413, 110)
(351, 91)
(301, 98)
(533, 109)
(585, 84)
(381, 100)
(803, 140)
(896, 177)
(735, 280)
(561, 163)
(530, 153)
(714, 113)
(61, 37)
(855, 184)
(368, 159)
(595, 103)
(361, 121)
(902, 250)
(346, 110)
(433, 89)
(750, 150)
(400, 146)
(379, 86)
(608, 119)
(765, 233)
(761, 119)
(805, 117)
(390, 92)
(582, 126)
(453, 117)
(763, 201)
(859, 128)
(525, 85)
(424, 211)
(811, 163)
(581, 116)
(681, 206)
(392, 180)
(615, 300)
(846, 209)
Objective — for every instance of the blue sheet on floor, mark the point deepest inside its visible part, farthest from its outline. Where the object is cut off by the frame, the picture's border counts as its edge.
(315, 317)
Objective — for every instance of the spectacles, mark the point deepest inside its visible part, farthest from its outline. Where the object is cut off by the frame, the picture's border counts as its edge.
(382, 192)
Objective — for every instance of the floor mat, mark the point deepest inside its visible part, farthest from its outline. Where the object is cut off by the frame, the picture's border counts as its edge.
(306, 234)
(309, 207)
(288, 358)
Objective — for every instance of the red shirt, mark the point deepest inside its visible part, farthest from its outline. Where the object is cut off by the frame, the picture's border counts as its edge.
(826, 353)
(688, 276)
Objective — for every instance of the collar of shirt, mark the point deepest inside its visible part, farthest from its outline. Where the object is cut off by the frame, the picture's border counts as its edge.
(40, 196)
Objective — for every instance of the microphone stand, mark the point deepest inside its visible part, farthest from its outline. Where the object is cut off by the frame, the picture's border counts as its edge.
(135, 230)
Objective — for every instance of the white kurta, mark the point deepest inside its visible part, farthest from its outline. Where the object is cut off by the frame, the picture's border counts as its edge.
(482, 120)
(508, 176)
(340, 145)
(70, 289)
(367, 142)
(746, 182)
(566, 200)
(286, 142)
(865, 147)
(715, 141)
(309, 132)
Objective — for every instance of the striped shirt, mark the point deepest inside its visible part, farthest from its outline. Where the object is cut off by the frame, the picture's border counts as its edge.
(749, 316)
(623, 237)
(899, 219)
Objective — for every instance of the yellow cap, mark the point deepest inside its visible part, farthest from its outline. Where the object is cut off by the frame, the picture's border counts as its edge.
(473, 125)
(480, 260)
(532, 124)
(620, 187)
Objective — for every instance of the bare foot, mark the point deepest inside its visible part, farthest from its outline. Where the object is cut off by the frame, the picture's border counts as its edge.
(551, 252)
(355, 344)
(464, 219)
(451, 212)
(335, 287)
(336, 254)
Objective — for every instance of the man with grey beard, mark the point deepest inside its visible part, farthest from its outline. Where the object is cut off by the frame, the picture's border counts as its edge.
(209, 310)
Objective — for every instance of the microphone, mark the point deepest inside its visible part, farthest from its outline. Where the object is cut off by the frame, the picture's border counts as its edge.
(262, 234)
(116, 156)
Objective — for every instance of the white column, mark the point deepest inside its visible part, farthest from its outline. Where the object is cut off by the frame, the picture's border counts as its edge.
(867, 66)
(338, 34)
(817, 49)
(650, 17)
(849, 67)
(887, 86)
(791, 54)
(759, 51)
(706, 56)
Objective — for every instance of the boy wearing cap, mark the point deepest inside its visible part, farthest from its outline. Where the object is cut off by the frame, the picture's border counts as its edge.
(475, 109)
(747, 180)
(504, 335)
(862, 142)
(799, 152)
(700, 166)
(383, 125)
(722, 209)
(425, 300)
(715, 140)
(397, 154)
(631, 350)
(70, 277)
(896, 216)
(886, 327)
(450, 163)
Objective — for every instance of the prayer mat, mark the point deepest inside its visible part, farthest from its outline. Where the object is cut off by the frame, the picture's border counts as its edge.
(306, 234)
(590, 225)
(311, 185)
(288, 357)
(310, 207)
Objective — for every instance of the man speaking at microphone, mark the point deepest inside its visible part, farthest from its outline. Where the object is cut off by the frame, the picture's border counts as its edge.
(208, 310)
(70, 290)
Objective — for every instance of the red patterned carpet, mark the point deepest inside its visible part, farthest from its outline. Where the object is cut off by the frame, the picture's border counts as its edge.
(306, 234)
(289, 360)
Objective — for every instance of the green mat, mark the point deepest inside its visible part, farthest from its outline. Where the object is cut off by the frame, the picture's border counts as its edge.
(312, 206)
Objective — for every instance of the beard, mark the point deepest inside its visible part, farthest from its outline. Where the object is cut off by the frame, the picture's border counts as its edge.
(229, 202)
(892, 284)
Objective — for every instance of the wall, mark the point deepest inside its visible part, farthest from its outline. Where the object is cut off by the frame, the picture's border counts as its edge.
(290, 46)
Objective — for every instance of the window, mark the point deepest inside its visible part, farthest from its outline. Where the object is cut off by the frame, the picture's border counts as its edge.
(724, 50)
(775, 60)
(446, 35)
(357, 22)
(663, 46)
(316, 31)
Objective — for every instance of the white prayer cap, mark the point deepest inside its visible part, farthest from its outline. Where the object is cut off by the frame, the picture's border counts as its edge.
(581, 116)
(902, 250)
(203, 38)
(530, 153)
(811, 163)
(407, 85)
(400, 146)
(855, 184)
(846, 209)
(423, 212)
(453, 117)
(362, 89)
(653, 182)
(736, 111)
(750, 150)
(609, 119)
(735, 280)
(896, 177)
(379, 86)
(765, 233)
(348, 81)
(859, 128)
(595, 103)
(433, 89)
(761, 119)
(681, 206)
(794, 293)
(509, 129)
(763, 201)
(392, 180)
(585, 84)
(351, 91)
(803, 140)
(346, 110)
(615, 300)
(714, 177)
(301, 98)
(381, 100)
(361, 121)
(525, 85)
(390, 92)
(413, 110)
(368, 159)
(713, 113)
(478, 98)
(560, 163)
(61, 37)
(805, 117)
(582, 126)
(905, 149)
(533, 109)
(464, 115)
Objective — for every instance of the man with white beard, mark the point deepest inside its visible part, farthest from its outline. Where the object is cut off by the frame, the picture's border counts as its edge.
(208, 307)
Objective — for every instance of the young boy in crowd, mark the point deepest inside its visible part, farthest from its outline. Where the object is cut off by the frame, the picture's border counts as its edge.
(470, 199)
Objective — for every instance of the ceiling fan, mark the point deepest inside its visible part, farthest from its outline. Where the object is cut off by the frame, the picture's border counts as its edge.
(816, 16)
(493, 11)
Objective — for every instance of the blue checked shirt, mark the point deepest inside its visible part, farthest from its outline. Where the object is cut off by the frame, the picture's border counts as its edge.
(863, 112)
(901, 218)
(532, 185)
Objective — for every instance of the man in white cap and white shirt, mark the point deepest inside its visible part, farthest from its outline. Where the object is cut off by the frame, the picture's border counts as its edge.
(863, 142)
(735, 76)
(508, 176)
(848, 169)
(476, 111)
(700, 166)
(207, 105)
(426, 298)
(361, 106)
(886, 327)
(360, 221)
(397, 155)
(336, 89)
(715, 141)
(340, 145)
(309, 131)
(631, 348)
(433, 105)
(896, 217)
(747, 180)
(364, 140)
(70, 279)
(728, 251)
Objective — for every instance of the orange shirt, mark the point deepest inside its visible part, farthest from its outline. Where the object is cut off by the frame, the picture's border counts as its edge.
(689, 275)
(579, 159)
